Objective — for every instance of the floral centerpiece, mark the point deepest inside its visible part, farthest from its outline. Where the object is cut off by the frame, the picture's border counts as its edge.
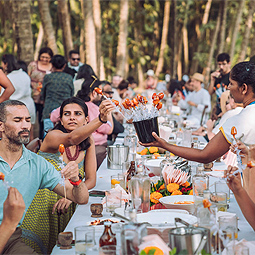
(174, 182)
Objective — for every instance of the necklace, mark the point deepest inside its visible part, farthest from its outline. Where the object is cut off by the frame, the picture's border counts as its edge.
(75, 156)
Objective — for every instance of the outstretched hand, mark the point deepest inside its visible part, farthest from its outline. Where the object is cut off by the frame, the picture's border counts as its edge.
(241, 146)
(105, 108)
(160, 142)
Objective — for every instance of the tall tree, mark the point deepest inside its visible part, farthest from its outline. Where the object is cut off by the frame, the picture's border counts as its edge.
(247, 31)
(23, 29)
(200, 36)
(90, 35)
(65, 25)
(98, 27)
(175, 41)
(212, 49)
(223, 26)
(47, 25)
(163, 37)
(122, 39)
(236, 28)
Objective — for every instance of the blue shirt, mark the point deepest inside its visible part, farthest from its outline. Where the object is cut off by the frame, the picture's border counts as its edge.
(30, 173)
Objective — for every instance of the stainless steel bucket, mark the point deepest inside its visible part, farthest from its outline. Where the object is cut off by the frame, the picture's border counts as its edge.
(116, 155)
(190, 239)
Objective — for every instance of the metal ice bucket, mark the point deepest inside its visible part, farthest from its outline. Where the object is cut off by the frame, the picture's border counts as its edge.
(190, 239)
(116, 155)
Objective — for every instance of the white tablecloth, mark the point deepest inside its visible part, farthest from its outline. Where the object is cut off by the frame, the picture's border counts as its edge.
(82, 214)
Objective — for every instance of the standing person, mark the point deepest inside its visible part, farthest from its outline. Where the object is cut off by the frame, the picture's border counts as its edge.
(71, 130)
(74, 60)
(21, 82)
(151, 81)
(116, 79)
(29, 172)
(37, 70)
(57, 86)
(220, 80)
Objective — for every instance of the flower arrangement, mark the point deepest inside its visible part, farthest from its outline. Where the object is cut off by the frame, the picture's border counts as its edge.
(160, 189)
(149, 151)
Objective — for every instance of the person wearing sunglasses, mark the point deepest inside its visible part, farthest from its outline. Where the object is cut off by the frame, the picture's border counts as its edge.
(74, 60)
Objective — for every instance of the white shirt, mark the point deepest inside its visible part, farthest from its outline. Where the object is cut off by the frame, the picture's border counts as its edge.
(244, 123)
(22, 84)
(201, 98)
(225, 117)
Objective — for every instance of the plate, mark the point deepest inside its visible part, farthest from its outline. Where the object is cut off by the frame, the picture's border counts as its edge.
(104, 218)
(164, 217)
(121, 211)
(169, 201)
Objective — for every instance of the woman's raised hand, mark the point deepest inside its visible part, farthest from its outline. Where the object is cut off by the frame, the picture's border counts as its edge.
(105, 108)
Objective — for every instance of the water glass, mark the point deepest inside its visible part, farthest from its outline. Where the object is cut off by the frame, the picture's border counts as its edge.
(84, 239)
(186, 142)
(229, 223)
(220, 199)
(179, 138)
(221, 186)
(118, 179)
(113, 200)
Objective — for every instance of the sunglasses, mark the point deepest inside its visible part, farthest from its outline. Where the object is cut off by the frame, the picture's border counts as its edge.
(76, 59)
(108, 92)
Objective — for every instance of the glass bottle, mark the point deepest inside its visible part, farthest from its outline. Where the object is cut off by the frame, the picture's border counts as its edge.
(107, 238)
(131, 141)
(131, 171)
(140, 191)
(165, 161)
(200, 182)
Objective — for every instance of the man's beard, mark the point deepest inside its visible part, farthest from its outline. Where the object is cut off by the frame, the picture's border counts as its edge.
(18, 140)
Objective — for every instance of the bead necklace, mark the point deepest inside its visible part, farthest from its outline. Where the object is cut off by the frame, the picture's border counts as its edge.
(75, 156)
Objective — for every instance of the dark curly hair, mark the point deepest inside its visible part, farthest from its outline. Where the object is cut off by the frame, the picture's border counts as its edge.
(84, 145)
(244, 72)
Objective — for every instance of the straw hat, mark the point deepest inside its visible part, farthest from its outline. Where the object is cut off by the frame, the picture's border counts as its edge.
(150, 72)
(198, 77)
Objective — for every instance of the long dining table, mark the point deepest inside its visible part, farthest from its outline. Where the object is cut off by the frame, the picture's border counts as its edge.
(82, 215)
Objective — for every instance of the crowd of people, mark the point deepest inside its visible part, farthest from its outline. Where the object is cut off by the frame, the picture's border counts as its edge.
(60, 95)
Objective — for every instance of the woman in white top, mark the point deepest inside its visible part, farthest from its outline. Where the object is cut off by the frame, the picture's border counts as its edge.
(21, 82)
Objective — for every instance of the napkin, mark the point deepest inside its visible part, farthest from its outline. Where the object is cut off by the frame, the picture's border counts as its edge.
(115, 195)
(250, 245)
(154, 240)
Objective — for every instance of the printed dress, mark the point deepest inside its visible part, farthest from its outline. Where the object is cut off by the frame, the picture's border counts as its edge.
(40, 227)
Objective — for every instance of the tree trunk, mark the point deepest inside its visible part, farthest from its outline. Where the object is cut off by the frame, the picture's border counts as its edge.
(185, 40)
(179, 57)
(201, 35)
(212, 48)
(248, 26)
(164, 37)
(122, 39)
(223, 26)
(23, 30)
(48, 29)
(38, 42)
(236, 28)
(90, 35)
(98, 27)
(175, 42)
(65, 26)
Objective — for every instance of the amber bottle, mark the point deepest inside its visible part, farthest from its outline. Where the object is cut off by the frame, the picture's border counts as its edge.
(107, 238)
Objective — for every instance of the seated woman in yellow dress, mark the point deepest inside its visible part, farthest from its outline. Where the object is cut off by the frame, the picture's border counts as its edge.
(42, 224)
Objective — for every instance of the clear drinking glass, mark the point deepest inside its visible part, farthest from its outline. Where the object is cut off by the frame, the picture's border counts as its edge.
(84, 239)
(221, 186)
(113, 200)
(118, 179)
(220, 199)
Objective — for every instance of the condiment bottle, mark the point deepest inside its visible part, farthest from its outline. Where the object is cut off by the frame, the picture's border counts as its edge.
(107, 238)
(200, 182)
(131, 171)
(140, 191)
